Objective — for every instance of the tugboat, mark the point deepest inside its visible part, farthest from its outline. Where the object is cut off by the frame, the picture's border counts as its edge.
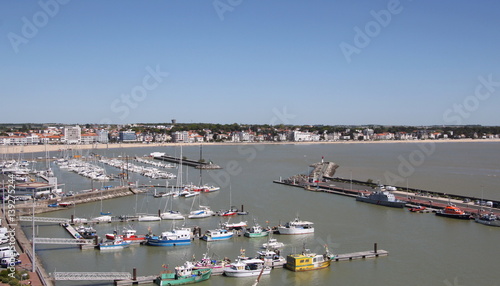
(306, 260)
(452, 211)
(383, 198)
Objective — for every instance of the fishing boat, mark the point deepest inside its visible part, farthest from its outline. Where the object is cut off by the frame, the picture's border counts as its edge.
(272, 243)
(381, 197)
(271, 258)
(488, 219)
(184, 274)
(451, 211)
(307, 260)
(175, 237)
(86, 232)
(217, 266)
(217, 234)
(127, 235)
(247, 268)
(116, 244)
(296, 226)
(256, 231)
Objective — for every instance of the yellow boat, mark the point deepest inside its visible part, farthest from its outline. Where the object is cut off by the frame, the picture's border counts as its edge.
(306, 261)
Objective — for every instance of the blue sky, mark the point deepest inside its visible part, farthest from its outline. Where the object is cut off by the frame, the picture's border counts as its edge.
(245, 61)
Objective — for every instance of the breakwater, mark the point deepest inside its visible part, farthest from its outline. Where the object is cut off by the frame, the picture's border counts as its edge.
(188, 162)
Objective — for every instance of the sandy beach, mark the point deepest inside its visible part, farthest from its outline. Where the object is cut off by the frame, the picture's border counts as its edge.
(15, 149)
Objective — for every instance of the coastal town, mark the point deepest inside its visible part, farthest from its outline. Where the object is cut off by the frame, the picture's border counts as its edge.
(39, 134)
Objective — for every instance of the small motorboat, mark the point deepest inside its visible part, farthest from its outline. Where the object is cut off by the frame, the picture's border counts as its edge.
(417, 209)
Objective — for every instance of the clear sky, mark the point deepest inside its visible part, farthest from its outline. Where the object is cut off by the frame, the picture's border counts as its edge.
(249, 61)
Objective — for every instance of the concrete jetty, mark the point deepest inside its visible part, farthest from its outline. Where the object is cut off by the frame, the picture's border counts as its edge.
(188, 162)
(319, 181)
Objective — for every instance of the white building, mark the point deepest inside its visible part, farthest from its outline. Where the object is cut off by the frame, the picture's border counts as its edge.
(72, 134)
(103, 136)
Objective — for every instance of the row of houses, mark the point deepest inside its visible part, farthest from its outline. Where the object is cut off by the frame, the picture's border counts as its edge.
(77, 135)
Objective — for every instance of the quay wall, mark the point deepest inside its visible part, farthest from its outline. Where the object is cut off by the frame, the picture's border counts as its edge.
(496, 204)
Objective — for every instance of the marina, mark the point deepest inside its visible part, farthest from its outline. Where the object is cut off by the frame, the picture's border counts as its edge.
(340, 244)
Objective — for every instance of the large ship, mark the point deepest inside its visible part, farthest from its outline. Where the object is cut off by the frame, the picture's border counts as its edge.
(383, 198)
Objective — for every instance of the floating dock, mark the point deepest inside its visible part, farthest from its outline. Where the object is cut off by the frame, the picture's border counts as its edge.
(361, 255)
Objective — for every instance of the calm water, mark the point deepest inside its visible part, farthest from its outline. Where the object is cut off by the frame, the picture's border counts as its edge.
(424, 250)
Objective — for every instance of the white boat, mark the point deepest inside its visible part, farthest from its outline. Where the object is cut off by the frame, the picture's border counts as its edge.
(103, 218)
(296, 226)
(202, 212)
(247, 268)
(236, 225)
(191, 194)
(147, 217)
(171, 215)
(272, 243)
(217, 234)
(271, 258)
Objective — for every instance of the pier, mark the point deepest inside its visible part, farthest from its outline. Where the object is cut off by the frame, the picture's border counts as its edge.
(189, 162)
(362, 254)
(118, 278)
(317, 181)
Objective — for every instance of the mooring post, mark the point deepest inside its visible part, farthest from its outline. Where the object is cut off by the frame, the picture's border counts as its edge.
(134, 274)
(72, 219)
(375, 247)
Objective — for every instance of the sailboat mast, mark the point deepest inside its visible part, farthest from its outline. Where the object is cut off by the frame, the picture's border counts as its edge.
(201, 178)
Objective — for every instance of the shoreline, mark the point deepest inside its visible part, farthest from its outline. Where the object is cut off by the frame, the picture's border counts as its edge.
(16, 149)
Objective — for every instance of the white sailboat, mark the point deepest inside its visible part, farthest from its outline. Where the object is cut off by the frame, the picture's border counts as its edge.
(172, 214)
(147, 217)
